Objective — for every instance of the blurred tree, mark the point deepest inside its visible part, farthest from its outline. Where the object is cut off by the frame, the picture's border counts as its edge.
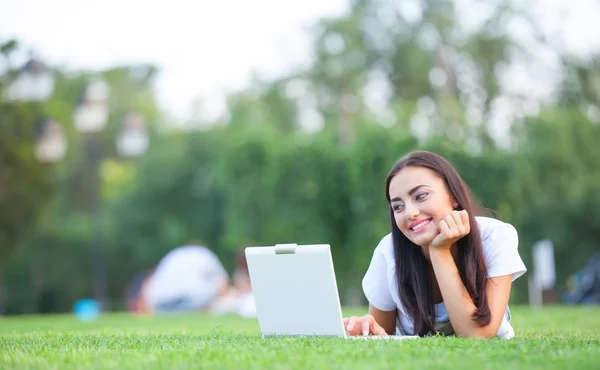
(35, 198)
(387, 78)
(264, 104)
(554, 187)
(24, 186)
(417, 51)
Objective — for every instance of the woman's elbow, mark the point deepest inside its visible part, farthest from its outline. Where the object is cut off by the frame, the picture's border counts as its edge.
(484, 335)
(479, 333)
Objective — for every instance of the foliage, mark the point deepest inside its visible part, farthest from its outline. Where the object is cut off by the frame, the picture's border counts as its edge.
(382, 83)
(44, 206)
(24, 187)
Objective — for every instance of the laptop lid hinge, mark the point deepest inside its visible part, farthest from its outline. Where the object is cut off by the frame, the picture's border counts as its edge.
(285, 248)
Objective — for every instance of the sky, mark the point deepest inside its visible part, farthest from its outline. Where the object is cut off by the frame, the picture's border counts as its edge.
(207, 48)
(203, 48)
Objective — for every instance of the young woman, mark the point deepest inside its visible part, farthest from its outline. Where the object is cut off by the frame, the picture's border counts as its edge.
(441, 269)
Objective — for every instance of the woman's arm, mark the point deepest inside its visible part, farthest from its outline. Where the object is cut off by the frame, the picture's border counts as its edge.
(459, 304)
(386, 319)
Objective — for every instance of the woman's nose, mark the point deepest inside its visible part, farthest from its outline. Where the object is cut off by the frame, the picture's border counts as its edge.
(411, 212)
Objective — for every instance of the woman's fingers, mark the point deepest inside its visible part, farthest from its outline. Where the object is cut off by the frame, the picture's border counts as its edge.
(376, 329)
(354, 325)
(452, 227)
(461, 220)
(365, 325)
(367, 322)
(464, 215)
(444, 228)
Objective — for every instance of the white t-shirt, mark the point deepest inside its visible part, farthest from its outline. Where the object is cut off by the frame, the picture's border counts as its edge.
(500, 242)
(189, 272)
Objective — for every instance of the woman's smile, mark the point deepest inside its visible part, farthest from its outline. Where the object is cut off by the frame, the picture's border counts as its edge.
(420, 225)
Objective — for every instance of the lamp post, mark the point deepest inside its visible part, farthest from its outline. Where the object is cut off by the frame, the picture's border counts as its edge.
(50, 147)
(34, 84)
(90, 118)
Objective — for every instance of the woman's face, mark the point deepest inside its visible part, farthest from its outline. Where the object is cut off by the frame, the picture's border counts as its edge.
(420, 200)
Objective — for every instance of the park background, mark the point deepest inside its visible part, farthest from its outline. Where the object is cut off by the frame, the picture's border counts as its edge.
(263, 123)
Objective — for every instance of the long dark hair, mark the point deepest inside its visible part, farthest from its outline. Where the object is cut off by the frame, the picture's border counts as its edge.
(414, 285)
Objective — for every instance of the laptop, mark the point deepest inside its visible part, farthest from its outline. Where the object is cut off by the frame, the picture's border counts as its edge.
(296, 293)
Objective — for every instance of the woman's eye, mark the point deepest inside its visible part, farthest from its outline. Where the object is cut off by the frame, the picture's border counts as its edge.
(397, 207)
(421, 196)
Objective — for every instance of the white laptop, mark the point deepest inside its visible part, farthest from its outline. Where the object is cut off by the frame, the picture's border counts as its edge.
(295, 291)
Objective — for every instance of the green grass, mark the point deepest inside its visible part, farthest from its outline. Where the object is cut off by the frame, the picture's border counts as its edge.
(549, 338)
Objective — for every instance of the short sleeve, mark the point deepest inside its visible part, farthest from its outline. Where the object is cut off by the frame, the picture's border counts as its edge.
(501, 252)
(375, 284)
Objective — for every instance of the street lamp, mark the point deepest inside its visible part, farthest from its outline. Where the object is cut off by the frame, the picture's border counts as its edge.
(90, 118)
(51, 145)
(133, 139)
(92, 114)
(34, 83)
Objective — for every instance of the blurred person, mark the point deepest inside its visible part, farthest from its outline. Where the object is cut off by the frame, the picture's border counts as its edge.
(133, 290)
(241, 276)
(243, 286)
(583, 286)
(441, 269)
(188, 278)
(238, 299)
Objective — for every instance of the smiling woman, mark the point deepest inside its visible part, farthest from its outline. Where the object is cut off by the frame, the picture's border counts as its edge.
(441, 269)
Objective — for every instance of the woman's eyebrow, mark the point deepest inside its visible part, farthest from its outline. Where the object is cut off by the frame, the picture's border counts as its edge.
(410, 192)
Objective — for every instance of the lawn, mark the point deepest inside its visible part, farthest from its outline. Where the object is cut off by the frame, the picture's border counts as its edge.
(549, 338)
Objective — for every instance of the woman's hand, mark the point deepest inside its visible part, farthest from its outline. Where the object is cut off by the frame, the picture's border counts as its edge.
(365, 325)
(453, 227)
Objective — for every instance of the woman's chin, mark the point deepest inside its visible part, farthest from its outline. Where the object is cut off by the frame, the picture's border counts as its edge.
(421, 240)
